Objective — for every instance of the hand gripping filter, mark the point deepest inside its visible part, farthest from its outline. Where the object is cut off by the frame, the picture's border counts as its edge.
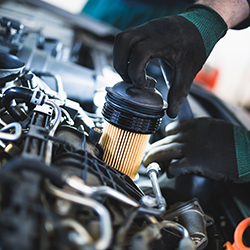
(131, 116)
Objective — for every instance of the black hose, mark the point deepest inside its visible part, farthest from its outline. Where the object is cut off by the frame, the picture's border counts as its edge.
(17, 93)
(19, 164)
(9, 103)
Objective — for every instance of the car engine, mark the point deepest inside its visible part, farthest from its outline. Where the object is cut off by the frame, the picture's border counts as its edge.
(56, 189)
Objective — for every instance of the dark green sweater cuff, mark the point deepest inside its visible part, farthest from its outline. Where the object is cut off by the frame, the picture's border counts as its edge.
(242, 147)
(210, 24)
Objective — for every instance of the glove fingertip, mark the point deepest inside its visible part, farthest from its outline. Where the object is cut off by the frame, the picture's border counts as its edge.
(126, 79)
(170, 174)
(149, 158)
(174, 169)
(172, 112)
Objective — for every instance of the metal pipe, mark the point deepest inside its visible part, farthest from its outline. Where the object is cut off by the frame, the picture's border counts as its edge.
(142, 239)
(176, 226)
(2, 122)
(105, 220)
(78, 184)
(152, 172)
(54, 125)
(83, 236)
(57, 118)
(185, 243)
(9, 136)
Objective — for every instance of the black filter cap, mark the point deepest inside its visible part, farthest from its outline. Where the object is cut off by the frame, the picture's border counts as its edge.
(133, 109)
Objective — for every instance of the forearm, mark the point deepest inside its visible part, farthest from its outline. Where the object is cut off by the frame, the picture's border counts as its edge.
(232, 11)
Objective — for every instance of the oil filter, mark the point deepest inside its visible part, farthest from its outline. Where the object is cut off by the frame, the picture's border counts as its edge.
(131, 116)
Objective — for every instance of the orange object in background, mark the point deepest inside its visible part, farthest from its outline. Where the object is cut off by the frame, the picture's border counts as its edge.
(207, 77)
(238, 235)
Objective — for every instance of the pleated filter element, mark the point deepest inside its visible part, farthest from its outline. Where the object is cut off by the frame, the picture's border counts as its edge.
(123, 150)
(131, 116)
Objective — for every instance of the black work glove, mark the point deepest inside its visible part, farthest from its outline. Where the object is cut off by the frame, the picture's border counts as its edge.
(183, 41)
(205, 146)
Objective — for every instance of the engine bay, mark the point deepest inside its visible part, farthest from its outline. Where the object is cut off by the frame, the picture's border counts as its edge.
(56, 190)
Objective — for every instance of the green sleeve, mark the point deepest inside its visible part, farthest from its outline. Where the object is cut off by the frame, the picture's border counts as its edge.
(210, 24)
(242, 147)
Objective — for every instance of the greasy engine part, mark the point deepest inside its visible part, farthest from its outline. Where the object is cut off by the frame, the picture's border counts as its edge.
(21, 211)
(192, 217)
(158, 235)
(77, 168)
(131, 115)
(95, 172)
(20, 218)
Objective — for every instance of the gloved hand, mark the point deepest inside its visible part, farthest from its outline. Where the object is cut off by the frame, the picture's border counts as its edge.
(205, 146)
(183, 41)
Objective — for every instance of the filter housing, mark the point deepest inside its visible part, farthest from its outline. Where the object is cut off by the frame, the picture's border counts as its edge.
(131, 116)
